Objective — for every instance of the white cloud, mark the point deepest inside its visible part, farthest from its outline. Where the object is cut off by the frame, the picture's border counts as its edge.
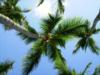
(43, 10)
(47, 7)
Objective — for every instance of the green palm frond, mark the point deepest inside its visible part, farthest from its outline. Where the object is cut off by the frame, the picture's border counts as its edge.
(32, 59)
(50, 52)
(5, 67)
(69, 72)
(95, 31)
(11, 2)
(61, 66)
(93, 46)
(87, 42)
(30, 29)
(40, 2)
(82, 43)
(59, 40)
(27, 39)
(97, 71)
(70, 26)
(86, 68)
(49, 24)
(83, 31)
(9, 9)
(55, 55)
(60, 6)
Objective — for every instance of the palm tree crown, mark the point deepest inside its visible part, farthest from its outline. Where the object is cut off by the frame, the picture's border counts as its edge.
(54, 33)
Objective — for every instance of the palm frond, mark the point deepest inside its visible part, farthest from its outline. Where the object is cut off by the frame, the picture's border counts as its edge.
(93, 46)
(71, 26)
(69, 72)
(51, 50)
(40, 2)
(95, 31)
(55, 55)
(11, 10)
(82, 43)
(49, 24)
(87, 42)
(97, 71)
(76, 49)
(58, 40)
(96, 20)
(86, 68)
(11, 2)
(26, 10)
(33, 57)
(30, 29)
(5, 67)
(83, 31)
(60, 6)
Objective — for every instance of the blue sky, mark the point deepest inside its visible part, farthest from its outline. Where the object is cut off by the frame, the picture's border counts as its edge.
(13, 48)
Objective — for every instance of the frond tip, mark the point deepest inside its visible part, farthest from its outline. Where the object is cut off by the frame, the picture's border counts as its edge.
(32, 59)
(41, 1)
(87, 42)
(60, 6)
(5, 67)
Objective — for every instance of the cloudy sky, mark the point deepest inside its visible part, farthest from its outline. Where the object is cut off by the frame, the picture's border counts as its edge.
(13, 48)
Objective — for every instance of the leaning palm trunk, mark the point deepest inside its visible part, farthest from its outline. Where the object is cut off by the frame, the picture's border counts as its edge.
(13, 25)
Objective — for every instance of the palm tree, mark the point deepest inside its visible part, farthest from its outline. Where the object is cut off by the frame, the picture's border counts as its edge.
(5, 67)
(54, 33)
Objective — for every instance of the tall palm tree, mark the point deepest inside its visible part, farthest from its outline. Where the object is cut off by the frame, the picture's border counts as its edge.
(54, 33)
(5, 67)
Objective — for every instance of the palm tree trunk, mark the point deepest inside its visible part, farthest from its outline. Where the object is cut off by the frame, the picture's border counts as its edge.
(10, 23)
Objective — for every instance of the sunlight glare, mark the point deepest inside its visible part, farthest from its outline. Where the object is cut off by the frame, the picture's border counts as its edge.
(43, 10)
